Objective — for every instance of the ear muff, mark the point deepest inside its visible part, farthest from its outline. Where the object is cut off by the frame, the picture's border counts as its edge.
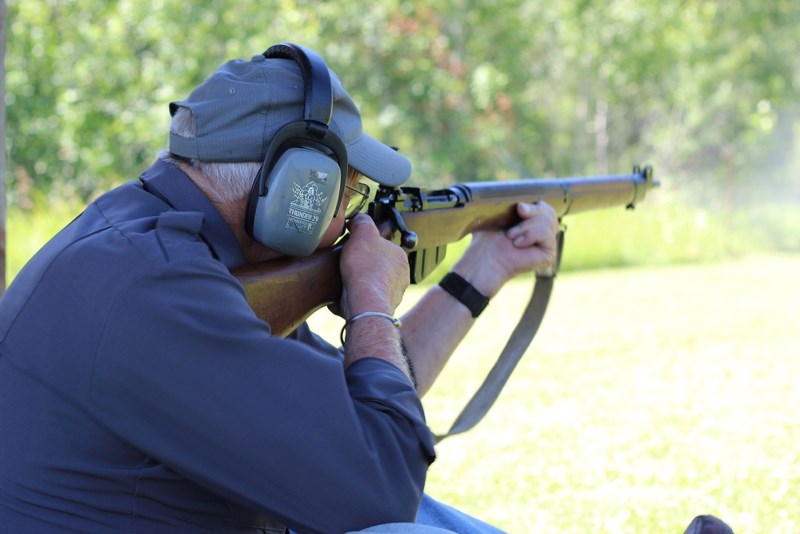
(300, 185)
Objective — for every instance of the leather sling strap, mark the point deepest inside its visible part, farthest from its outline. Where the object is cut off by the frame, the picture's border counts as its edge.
(488, 392)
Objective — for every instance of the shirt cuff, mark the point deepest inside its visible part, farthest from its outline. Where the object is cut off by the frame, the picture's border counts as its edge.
(378, 381)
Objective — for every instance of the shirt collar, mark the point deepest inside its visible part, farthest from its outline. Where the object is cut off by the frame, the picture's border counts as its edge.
(173, 186)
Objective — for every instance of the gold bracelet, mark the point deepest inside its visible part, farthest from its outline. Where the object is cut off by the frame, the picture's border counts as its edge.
(394, 320)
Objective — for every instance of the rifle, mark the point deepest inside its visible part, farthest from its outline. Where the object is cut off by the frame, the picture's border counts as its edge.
(285, 292)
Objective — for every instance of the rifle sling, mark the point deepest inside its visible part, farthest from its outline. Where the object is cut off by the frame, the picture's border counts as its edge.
(517, 343)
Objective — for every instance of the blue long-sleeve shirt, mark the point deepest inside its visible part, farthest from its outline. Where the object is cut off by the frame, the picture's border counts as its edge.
(139, 392)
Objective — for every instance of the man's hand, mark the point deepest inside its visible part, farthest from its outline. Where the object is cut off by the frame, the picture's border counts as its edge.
(494, 257)
(374, 270)
(374, 277)
(437, 323)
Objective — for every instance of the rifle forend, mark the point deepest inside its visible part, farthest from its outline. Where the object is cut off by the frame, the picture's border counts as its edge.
(287, 291)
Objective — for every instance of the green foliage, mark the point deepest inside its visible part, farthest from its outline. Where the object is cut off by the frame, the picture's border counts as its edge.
(471, 90)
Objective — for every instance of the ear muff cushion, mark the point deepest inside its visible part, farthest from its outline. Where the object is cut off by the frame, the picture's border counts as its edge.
(300, 201)
(294, 135)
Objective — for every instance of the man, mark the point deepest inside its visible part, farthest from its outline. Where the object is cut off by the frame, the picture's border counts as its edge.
(138, 390)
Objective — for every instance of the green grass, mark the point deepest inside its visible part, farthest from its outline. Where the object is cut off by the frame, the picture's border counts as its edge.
(650, 396)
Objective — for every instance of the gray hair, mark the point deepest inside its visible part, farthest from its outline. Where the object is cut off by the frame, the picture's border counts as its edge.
(227, 182)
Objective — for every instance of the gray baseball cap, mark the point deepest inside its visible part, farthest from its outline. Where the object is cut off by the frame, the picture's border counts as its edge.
(240, 107)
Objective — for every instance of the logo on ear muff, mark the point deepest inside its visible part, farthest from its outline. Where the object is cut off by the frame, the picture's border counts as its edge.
(301, 182)
(309, 199)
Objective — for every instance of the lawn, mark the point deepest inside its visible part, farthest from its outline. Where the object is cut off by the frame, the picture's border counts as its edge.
(650, 396)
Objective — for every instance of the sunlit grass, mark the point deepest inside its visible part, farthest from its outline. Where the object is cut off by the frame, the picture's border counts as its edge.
(649, 397)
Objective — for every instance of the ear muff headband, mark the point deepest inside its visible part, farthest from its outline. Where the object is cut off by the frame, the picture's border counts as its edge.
(284, 211)
(317, 113)
(317, 79)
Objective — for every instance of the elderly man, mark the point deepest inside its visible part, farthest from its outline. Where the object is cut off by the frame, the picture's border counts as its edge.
(138, 390)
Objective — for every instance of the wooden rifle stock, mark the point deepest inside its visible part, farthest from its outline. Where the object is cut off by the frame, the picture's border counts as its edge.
(285, 292)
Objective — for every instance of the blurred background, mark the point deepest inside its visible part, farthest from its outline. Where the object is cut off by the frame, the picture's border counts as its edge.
(705, 91)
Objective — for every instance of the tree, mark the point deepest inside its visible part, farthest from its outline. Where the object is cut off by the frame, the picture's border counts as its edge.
(469, 89)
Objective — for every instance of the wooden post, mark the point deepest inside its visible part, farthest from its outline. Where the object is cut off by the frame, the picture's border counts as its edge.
(2, 146)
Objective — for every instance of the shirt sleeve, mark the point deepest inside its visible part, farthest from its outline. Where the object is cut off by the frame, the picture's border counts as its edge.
(187, 373)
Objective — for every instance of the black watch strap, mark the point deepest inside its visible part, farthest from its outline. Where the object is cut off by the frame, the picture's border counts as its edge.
(465, 293)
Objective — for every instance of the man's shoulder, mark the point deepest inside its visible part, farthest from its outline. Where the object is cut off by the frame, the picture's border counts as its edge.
(141, 225)
(110, 246)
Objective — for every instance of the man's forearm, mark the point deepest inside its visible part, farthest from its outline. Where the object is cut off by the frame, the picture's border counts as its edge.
(432, 330)
(375, 337)
(436, 325)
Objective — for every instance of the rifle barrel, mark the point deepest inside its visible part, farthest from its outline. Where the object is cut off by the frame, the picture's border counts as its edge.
(569, 195)
(492, 205)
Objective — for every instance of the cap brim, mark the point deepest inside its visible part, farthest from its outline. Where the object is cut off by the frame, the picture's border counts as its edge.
(378, 162)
